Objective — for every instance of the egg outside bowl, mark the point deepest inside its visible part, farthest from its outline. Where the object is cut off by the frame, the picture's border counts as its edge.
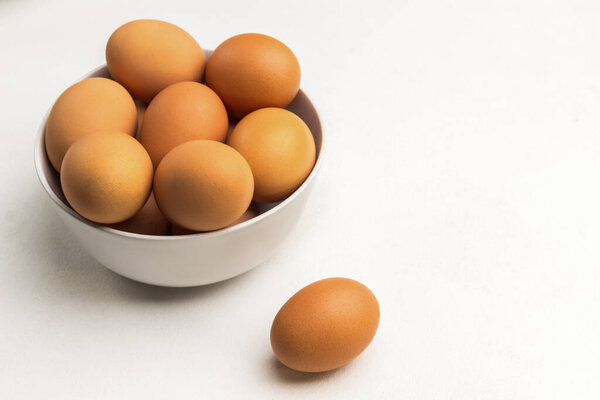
(188, 260)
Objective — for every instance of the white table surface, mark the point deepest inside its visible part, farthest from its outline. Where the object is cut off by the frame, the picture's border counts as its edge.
(461, 186)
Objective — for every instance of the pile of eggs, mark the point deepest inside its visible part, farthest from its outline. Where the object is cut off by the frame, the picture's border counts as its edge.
(151, 150)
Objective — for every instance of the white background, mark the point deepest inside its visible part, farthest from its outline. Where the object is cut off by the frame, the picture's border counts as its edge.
(461, 186)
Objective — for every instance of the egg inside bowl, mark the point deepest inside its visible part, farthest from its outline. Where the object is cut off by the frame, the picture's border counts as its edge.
(193, 259)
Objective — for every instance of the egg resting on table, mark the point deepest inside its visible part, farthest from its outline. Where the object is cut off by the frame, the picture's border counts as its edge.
(325, 325)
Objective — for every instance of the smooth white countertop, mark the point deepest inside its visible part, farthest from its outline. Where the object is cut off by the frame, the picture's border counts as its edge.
(461, 185)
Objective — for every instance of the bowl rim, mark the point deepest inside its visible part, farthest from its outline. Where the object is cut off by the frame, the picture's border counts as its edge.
(39, 153)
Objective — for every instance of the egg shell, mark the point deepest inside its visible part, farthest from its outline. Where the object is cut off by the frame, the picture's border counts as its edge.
(182, 112)
(252, 71)
(203, 185)
(148, 221)
(325, 325)
(250, 213)
(91, 105)
(106, 176)
(280, 149)
(148, 55)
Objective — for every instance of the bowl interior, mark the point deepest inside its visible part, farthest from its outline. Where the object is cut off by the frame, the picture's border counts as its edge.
(50, 179)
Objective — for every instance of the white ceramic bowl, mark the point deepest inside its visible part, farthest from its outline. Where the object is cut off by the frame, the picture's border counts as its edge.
(188, 260)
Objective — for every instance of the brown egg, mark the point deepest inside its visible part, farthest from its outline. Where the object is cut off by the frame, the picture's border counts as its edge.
(250, 213)
(148, 55)
(203, 185)
(106, 176)
(148, 221)
(325, 325)
(92, 105)
(252, 71)
(182, 112)
(279, 148)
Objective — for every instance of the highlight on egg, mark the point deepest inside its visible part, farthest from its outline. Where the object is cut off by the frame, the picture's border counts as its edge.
(325, 325)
